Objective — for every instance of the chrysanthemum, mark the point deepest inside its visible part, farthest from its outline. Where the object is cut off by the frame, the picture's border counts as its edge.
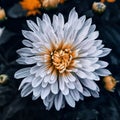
(65, 59)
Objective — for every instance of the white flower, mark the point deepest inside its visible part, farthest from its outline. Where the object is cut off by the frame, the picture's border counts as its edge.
(65, 59)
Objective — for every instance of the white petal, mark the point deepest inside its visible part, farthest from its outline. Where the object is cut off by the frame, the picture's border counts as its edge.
(47, 78)
(88, 69)
(98, 43)
(50, 97)
(86, 92)
(94, 94)
(38, 22)
(33, 26)
(70, 100)
(85, 45)
(53, 77)
(61, 20)
(34, 97)
(103, 72)
(22, 73)
(65, 91)
(34, 69)
(97, 53)
(47, 103)
(55, 22)
(46, 19)
(42, 71)
(78, 86)
(89, 84)
(26, 80)
(37, 91)
(106, 51)
(91, 51)
(71, 77)
(45, 92)
(96, 66)
(27, 89)
(83, 33)
(25, 52)
(75, 95)
(92, 76)
(44, 84)
(81, 96)
(73, 15)
(30, 36)
(85, 62)
(70, 85)
(58, 101)
(93, 60)
(49, 106)
(27, 43)
(101, 46)
(54, 88)
(36, 81)
(65, 78)
(61, 83)
(92, 29)
(21, 60)
(102, 64)
(81, 74)
(30, 60)
(93, 35)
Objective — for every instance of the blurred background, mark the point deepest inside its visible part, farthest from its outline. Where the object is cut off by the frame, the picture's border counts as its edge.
(13, 16)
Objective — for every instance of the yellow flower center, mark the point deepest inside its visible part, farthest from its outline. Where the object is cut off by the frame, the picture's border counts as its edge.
(61, 59)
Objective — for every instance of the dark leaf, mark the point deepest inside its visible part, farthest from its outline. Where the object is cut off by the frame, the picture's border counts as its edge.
(6, 35)
(16, 105)
(16, 11)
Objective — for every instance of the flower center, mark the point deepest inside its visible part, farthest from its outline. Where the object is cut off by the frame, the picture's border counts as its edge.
(61, 59)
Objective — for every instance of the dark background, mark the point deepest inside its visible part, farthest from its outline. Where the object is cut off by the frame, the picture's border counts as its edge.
(13, 107)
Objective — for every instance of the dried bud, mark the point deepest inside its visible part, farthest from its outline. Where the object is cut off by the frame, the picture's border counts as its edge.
(3, 78)
(2, 14)
(51, 3)
(111, 1)
(32, 6)
(109, 83)
(99, 7)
